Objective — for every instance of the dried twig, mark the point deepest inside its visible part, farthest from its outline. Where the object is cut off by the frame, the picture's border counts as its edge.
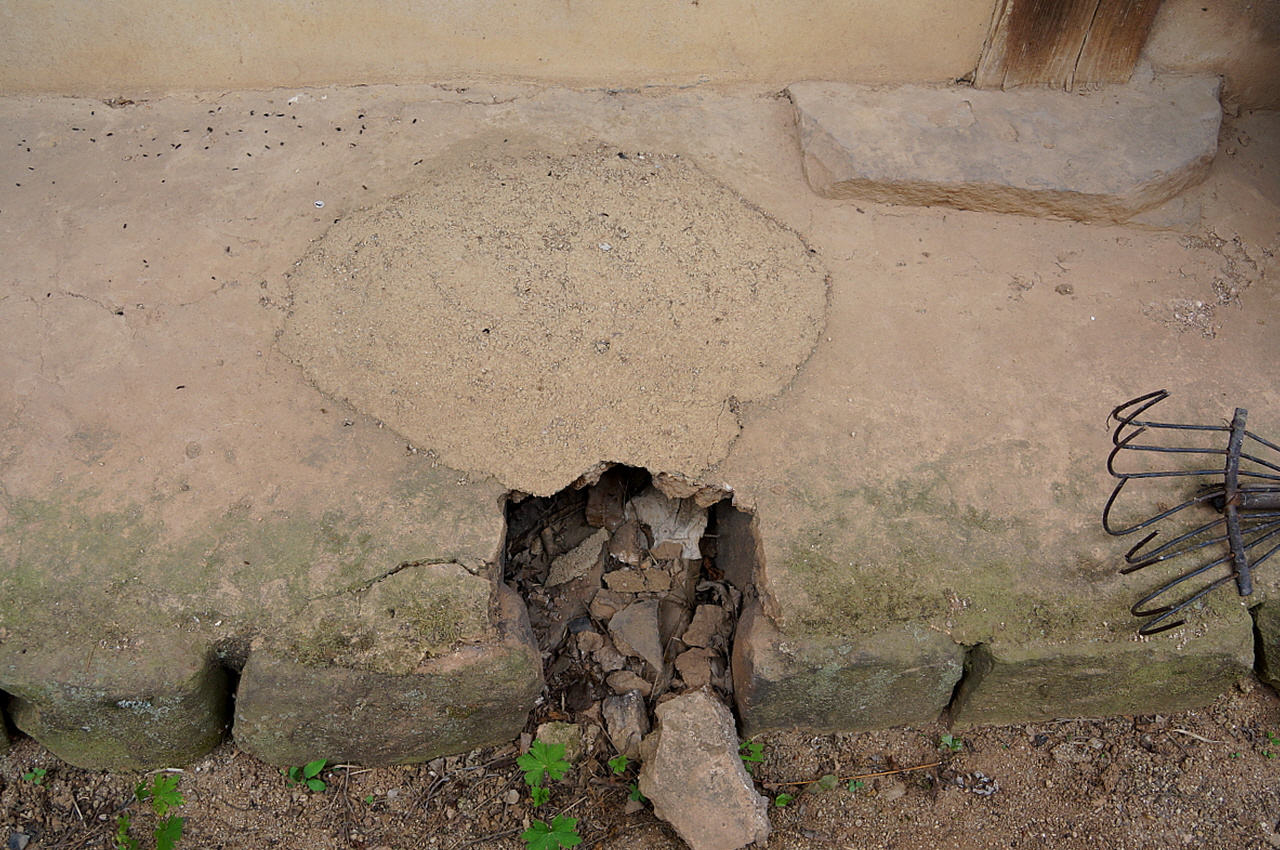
(1197, 737)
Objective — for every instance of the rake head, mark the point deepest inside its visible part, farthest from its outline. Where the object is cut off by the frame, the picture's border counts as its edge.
(1228, 524)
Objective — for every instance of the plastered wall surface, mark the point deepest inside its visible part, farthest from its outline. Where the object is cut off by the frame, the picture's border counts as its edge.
(129, 47)
(1239, 39)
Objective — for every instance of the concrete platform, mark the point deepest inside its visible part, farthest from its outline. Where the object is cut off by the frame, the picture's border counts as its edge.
(184, 514)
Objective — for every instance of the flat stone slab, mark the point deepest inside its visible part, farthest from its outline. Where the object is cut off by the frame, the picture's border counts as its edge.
(1101, 156)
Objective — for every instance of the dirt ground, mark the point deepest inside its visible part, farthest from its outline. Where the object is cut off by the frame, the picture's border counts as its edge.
(1205, 779)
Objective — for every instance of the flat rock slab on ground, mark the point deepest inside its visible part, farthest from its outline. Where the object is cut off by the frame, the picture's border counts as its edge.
(1101, 156)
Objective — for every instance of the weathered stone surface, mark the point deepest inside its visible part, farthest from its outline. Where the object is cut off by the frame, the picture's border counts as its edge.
(840, 682)
(374, 712)
(624, 680)
(1266, 618)
(1042, 680)
(635, 631)
(567, 734)
(1104, 157)
(150, 701)
(578, 562)
(627, 721)
(695, 779)
(708, 620)
(395, 624)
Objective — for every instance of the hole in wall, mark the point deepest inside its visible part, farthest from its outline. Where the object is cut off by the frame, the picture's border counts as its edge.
(633, 596)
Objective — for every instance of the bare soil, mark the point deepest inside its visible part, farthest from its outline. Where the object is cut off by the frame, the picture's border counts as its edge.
(1207, 779)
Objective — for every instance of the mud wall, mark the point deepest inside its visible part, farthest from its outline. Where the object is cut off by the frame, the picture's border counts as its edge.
(128, 47)
(1239, 39)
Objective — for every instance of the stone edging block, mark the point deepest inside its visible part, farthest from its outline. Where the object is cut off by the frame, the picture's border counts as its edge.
(290, 712)
(1100, 157)
(840, 683)
(1007, 683)
(142, 703)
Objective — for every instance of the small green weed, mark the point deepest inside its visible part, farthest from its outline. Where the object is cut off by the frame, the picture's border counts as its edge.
(163, 795)
(751, 754)
(121, 840)
(856, 785)
(951, 742)
(635, 794)
(783, 799)
(618, 764)
(543, 759)
(561, 832)
(308, 775)
(35, 776)
(826, 783)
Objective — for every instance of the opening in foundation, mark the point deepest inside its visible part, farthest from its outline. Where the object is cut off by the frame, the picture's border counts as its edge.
(633, 596)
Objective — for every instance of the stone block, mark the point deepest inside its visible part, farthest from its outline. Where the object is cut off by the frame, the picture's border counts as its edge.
(1266, 619)
(1038, 681)
(375, 699)
(840, 683)
(151, 701)
(1101, 157)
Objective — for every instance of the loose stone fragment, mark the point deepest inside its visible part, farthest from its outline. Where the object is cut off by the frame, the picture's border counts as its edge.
(636, 626)
(626, 721)
(579, 561)
(609, 658)
(568, 734)
(606, 603)
(693, 776)
(707, 622)
(623, 681)
(625, 581)
(628, 544)
(694, 666)
(677, 526)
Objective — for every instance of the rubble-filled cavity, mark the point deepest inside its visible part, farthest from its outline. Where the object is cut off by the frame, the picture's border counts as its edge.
(626, 599)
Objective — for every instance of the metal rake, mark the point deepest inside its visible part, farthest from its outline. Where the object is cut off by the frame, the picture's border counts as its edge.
(1243, 493)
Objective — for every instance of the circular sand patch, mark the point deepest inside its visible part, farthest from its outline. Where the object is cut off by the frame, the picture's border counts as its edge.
(528, 312)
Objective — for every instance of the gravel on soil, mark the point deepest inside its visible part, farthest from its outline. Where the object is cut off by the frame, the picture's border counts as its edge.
(1207, 779)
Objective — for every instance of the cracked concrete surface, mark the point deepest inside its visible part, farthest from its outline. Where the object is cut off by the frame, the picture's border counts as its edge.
(173, 492)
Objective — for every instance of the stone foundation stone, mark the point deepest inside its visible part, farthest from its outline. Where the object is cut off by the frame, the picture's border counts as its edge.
(840, 683)
(140, 704)
(379, 698)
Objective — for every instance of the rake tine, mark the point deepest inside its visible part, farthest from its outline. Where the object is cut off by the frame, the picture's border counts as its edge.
(1157, 555)
(1245, 492)
(1161, 614)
